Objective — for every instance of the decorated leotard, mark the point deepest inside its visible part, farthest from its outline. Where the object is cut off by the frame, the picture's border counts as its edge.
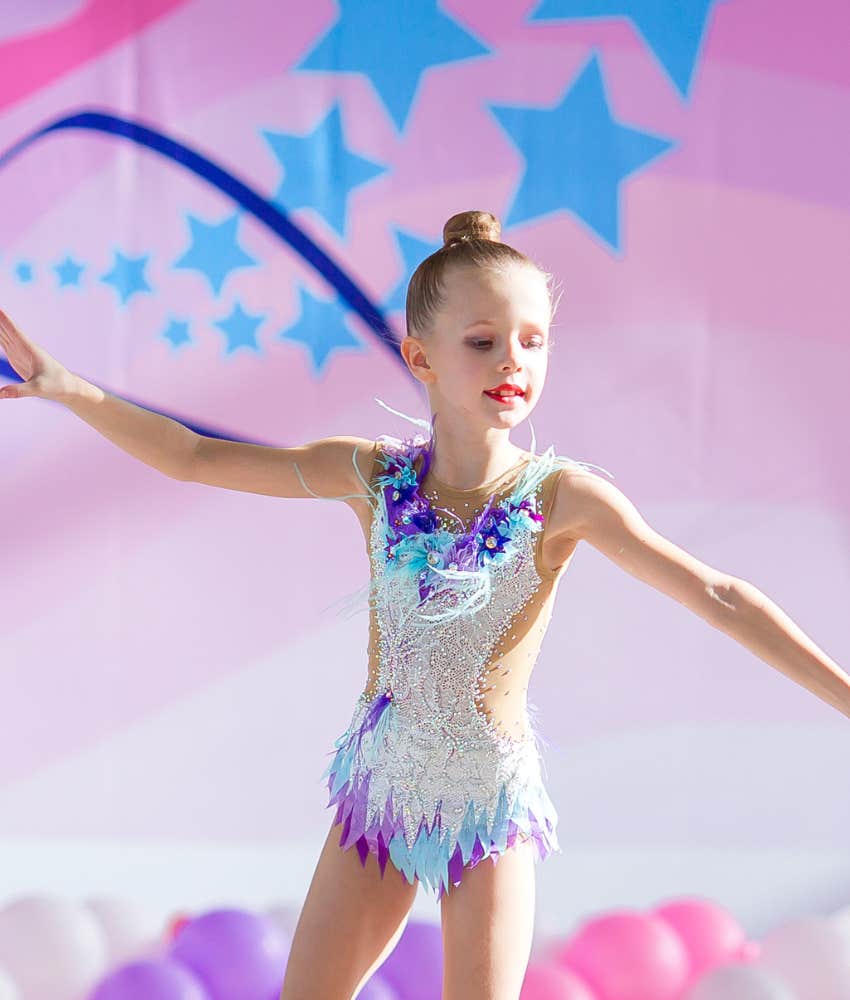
(440, 765)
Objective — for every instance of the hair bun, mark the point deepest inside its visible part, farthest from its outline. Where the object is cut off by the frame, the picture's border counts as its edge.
(471, 226)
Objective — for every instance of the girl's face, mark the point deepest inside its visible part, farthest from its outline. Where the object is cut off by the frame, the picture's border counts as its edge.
(492, 329)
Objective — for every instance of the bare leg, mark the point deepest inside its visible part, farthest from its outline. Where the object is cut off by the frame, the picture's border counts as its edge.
(349, 924)
(488, 925)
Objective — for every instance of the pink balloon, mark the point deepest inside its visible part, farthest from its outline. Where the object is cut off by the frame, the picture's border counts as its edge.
(710, 934)
(628, 956)
(545, 981)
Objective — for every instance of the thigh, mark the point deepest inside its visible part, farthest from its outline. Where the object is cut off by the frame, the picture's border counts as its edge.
(350, 922)
(488, 924)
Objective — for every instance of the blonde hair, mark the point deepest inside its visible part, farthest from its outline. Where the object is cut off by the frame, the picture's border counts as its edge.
(470, 239)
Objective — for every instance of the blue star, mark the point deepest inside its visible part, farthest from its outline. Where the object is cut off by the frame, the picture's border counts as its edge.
(24, 272)
(321, 328)
(413, 252)
(319, 170)
(214, 251)
(673, 30)
(69, 272)
(393, 45)
(576, 155)
(240, 328)
(127, 276)
(177, 333)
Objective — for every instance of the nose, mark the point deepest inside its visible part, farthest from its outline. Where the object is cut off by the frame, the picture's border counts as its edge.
(511, 359)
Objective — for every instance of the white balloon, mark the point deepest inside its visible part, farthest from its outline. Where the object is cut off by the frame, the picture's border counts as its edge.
(741, 981)
(842, 918)
(812, 954)
(53, 948)
(284, 917)
(131, 929)
(8, 989)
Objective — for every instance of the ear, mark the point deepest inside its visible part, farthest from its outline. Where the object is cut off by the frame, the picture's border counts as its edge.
(415, 357)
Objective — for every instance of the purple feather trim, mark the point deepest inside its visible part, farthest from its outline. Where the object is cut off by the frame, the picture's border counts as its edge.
(351, 800)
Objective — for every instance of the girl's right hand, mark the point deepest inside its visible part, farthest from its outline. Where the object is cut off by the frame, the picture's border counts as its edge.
(44, 377)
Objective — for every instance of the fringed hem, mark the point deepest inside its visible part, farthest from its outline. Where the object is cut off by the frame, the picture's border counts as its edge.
(437, 858)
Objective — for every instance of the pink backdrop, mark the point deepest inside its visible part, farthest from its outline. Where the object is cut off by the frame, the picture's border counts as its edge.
(172, 664)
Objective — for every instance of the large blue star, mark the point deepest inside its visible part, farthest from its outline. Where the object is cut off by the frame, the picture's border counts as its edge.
(319, 170)
(576, 155)
(672, 29)
(320, 327)
(69, 272)
(214, 251)
(240, 329)
(413, 252)
(126, 276)
(392, 44)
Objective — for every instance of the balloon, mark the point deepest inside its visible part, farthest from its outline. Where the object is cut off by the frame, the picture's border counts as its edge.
(176, 924)
(285, 918)
(377, 988)
(414, 968)
(624, 955)
(151, 979)
(51, 947)
(234, 953)
(8, 989)
(130, 929)
(741, 982)
(544, 981)
(710, 934)
(813, 955)
(841, 918)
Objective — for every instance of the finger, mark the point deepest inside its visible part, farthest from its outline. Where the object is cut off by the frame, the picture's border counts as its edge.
(14, 391)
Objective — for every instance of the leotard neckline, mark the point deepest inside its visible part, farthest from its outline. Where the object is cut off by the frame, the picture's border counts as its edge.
(485, 489)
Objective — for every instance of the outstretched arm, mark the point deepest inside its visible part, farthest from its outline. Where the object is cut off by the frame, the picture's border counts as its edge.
(332, 468)
(590, 508)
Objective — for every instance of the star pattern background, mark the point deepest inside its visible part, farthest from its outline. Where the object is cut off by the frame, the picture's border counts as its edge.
(680, 168)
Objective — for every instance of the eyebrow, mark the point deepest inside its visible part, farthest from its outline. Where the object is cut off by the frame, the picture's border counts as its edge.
(490, 322)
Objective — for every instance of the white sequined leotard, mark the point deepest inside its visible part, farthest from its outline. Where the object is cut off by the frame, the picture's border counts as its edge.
(440, 765)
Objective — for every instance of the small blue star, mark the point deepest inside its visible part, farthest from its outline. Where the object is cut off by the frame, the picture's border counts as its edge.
(177, 333)
(214, 251)
(69, 272)
(413, 252)
(320, 327)
(319, 170)
(393, 45)
(673, 30)
(240, 329)
(127, 276)
(576, 155)
(24, 272)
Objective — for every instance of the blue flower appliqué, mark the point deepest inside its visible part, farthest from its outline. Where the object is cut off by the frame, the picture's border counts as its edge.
(417, 546)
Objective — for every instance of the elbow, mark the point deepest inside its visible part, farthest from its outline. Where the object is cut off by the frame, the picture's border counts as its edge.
(727, 598)
(185, 470)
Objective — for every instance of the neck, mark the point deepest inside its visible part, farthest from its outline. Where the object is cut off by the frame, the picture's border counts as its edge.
(465, 458)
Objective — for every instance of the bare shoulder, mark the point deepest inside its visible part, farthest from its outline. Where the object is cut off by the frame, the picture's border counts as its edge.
(583, 501)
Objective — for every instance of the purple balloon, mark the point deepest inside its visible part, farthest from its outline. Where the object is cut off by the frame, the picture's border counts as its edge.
(234, 953)
(151, 979)
(414, 968)
(378, 988)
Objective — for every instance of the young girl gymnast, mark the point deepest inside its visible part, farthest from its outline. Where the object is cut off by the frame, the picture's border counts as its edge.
(468, 535)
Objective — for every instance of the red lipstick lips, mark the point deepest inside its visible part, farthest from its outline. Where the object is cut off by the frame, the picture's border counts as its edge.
(506, 393)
